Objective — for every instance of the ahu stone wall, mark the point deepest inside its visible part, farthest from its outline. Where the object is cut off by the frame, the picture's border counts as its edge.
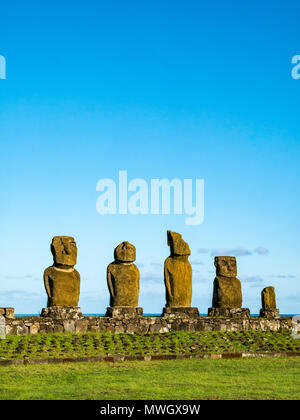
(144, 324)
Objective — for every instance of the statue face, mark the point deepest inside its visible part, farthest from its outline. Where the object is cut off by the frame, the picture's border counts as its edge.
(125, 252)
(226, 266)
(64, 250)
(177, 245)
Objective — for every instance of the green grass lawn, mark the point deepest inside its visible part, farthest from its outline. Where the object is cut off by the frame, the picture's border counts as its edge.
(259, 378)
(174, 343)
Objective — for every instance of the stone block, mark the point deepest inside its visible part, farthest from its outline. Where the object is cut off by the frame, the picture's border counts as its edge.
(180, 312)
(46, 327)
(123, 312)
(229, 312)
(2, 327)
(58, 328)
(81, 326)
(7, 312)
(269, 313)
(34, 328)
(119, 329)
(62, 312)
(69, 326)
(21, 329)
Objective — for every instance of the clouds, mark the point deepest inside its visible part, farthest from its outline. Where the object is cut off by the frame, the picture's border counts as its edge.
(19, 294)
(237, 252)
(18, 281)
(152, 272)
(21, 277)
(197, 262)
(24, 301)
(251, 279)
(261, 250)
(203, 251)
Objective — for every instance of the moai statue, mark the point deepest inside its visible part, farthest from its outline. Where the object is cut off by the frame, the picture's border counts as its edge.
(62, 280)
(123, 280)
(178, 277)
(227, 292)
(268, 303)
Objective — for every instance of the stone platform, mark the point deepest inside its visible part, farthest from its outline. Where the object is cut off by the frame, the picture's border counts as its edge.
(62, 312)
(243, 313)
(180, 312)
(123, 312)
(145, 324)
(269, 313)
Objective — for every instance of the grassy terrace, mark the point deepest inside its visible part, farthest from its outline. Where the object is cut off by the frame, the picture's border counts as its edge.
(262, 378)
(175, 343)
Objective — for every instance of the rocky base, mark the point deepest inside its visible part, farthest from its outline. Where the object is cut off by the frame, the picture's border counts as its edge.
(269, 313)
(7, 312)
(145, 324)
(242, 313)
(123, 312)
(62, 312)
(180, 312)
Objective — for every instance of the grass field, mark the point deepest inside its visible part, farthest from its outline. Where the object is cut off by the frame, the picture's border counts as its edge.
(174, 343)
(254, 378)
(272, 378)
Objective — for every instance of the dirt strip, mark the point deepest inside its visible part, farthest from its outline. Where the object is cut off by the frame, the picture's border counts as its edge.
(116, 359)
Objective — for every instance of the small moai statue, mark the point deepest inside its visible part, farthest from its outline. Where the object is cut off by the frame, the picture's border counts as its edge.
(227, 291)
(62, 280)
(268, 303)
(178, 278)
(123, 281)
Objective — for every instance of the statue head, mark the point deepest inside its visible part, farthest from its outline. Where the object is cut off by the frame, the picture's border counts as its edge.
(226, 266)
(64, 251)
(125, 252)
(177, 245)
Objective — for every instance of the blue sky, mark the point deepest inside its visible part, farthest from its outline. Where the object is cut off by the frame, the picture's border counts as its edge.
(163, 90)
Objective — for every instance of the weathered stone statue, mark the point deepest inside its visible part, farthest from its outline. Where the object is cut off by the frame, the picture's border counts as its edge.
(178, 276)
(227, 292)
(268, 303)
(123, 280)
(62, 280)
